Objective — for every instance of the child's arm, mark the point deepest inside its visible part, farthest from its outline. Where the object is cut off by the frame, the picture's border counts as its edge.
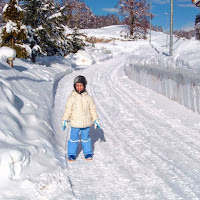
(68, 109)
(93, 110)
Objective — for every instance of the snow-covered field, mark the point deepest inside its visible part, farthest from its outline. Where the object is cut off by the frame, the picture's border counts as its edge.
(148, 147)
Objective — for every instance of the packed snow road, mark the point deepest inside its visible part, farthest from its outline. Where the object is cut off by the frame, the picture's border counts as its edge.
(148, 147)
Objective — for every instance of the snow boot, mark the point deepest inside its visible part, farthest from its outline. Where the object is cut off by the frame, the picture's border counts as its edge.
(71, 158)
(88, 157)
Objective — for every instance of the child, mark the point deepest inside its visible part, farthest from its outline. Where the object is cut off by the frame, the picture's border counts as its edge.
(80, 113)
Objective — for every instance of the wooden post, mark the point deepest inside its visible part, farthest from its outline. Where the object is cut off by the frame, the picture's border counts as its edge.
(10, 61)
(93, 40)
(93, 45)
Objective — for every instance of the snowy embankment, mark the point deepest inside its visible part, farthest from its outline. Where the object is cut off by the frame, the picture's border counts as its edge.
(177, 77)
(26, 135)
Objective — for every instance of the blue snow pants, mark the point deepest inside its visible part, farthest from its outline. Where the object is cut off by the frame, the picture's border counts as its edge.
(74, 139)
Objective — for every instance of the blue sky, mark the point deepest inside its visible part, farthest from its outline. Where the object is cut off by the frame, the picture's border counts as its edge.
(184, 11)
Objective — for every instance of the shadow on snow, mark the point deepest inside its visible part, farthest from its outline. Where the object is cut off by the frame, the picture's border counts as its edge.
(95, 134)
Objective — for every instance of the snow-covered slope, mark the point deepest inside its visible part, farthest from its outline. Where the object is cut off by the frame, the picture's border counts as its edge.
(108, 32)
(148, 147)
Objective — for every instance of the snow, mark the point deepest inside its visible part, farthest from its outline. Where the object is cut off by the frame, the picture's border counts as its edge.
(55, 15)
(19, 9)
(5, 7)
(175, 77)
(6, 52)
(148, 147)
(11, 26)
(110, 32)
(88, 57)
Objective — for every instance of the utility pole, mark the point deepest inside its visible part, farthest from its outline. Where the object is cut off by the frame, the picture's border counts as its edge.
(150, 22)
(167, 31)
(171, 29)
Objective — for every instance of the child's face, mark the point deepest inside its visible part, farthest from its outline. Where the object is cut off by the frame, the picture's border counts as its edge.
(79, 87)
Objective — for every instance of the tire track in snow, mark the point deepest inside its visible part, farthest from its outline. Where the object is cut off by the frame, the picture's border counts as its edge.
(192, 162)
(125, 150)
(127, 95)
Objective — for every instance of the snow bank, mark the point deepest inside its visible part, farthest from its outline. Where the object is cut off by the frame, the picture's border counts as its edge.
(178, 86)
(27, 146)
(89, 56)
(6, 52)
(176, 77)
(81, 58)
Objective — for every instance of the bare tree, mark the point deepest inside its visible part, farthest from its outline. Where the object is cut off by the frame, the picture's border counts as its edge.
(134, 12)
(80, 14)
(185, 34)
(157, 28)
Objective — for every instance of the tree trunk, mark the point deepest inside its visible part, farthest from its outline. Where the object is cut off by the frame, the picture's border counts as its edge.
(33, 58)
(132, 24)
(12, 42)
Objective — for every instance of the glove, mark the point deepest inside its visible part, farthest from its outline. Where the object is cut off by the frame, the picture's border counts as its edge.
(65, 124)
(97, 124)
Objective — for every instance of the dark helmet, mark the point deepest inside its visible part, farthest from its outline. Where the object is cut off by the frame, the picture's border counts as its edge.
(80, 79)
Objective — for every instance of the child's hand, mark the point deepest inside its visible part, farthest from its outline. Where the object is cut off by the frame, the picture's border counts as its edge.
(97, 124)
(65, 124)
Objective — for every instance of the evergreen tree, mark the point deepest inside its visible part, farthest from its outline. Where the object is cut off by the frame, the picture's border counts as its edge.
(75, 43)
(14, 32)
(33, 20)
(45, 19)
(51, 33)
